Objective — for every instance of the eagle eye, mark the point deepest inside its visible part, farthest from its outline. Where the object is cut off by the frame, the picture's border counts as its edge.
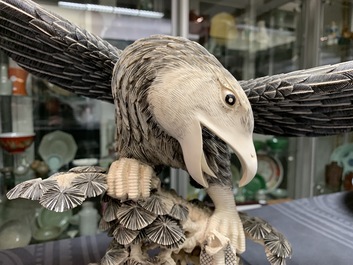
(230, 99)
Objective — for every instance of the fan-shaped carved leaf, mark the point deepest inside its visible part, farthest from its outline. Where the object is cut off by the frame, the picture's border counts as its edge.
(91, 184)
(33, 191)
(141, 237)
(275, 260)
(103, 225)
(155, 205)
(87, 169)
(123, 235)
(20, 188)
(114, 256)
(133, 216)
(278, 245)
(176, 245)
(257, 228)
(165, 231)
(179, 212)
(61, 199)
(111, 210)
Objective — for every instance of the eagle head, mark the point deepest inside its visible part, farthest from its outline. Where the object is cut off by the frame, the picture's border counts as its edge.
(187, 98)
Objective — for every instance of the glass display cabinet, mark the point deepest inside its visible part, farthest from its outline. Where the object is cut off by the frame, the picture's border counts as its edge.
(250, 38)
(69, 130)
(253, 39)
(259, 38)
(333, 155)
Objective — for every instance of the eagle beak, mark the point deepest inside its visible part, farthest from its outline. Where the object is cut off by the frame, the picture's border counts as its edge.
(239, 138)
(245, 151)
(193, 154)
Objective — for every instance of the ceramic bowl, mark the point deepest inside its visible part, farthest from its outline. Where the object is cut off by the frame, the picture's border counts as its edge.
(16, 142)
(57, 149)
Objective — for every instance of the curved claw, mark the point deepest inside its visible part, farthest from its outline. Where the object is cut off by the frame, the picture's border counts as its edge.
(215, 242)
(223, 239)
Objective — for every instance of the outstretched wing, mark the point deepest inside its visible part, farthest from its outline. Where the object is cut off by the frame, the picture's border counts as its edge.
(309, 102)
(312, 102)
(52, 48)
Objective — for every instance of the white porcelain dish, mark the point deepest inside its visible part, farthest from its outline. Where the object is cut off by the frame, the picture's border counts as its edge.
(85, 162)
(57, 149)
(271, 169)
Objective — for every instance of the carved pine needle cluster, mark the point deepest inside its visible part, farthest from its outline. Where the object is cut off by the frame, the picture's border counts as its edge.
(64, 190)
(160, 221)
(155, 220)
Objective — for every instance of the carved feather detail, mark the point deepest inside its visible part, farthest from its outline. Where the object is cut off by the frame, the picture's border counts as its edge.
(72, 57)
(53, 48)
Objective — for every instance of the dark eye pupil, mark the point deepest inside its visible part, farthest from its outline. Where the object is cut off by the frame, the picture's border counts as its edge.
(230, 99)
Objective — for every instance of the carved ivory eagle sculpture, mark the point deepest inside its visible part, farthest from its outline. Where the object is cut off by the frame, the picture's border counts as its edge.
(176, 106)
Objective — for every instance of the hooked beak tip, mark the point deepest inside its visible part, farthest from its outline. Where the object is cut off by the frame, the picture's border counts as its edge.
(249, 169)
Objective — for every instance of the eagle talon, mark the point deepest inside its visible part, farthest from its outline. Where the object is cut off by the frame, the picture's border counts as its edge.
(129, 179)
(224, 233)
(224, 236)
